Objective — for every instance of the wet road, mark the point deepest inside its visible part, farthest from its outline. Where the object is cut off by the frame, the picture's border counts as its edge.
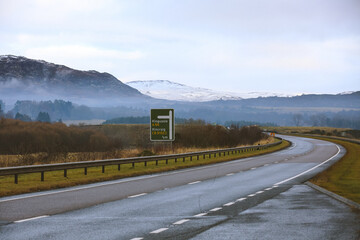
(186, 204)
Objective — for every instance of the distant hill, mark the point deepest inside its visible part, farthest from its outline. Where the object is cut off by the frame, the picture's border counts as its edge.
(24, 78)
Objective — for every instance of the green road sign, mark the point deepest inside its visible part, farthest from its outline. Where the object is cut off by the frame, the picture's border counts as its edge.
(162, 125)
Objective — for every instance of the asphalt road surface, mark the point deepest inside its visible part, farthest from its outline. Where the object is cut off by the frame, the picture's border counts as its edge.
(253, 198)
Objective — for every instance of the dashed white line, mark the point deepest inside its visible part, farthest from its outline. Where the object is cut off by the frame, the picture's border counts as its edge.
(259, 192)
(215, 209)
(229, 174)
(159, 230)
(253, 168)
(137, 195)
(228, 204)
(251, 195)
(240, 199)
(275, 186)
(267, 189)
(29, 219)
(200, 214)
(266, 165)
(181, 221)
(276, 162)
(194, 182)
(137, 238)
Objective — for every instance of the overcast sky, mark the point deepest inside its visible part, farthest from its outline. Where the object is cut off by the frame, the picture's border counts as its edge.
(284, 46)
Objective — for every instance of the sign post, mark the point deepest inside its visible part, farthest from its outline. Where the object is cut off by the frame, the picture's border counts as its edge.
(162, 125)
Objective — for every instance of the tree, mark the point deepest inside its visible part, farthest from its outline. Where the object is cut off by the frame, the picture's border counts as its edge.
(297, 118)
(43, 117)
(22, 117)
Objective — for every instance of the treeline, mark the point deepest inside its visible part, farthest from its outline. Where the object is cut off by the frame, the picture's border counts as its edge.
(146, 120)
(248, 123)
(217, 136)
(18, 137)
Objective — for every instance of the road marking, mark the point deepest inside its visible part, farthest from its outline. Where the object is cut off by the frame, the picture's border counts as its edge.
(200, 214)
(251, 195)
(159, 230)
(228, 204)
(266, 165)
(136, 238)
(229, 174)
(286, 159)
(29, 219)
(267, 189)
(259, 192)
(289, 179)
(215, 209)
(275, 186)
(276, 162)
(181, 221)
(137, 195)
(240, 199)
(194, 182)
(253, 168)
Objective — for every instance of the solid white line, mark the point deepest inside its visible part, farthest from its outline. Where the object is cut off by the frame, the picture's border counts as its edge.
(194, 182)
(200, 214)
(215, 209)
(259, 192)
(275, 186)
(29, 219)
(289, 179)
(251, 195)
(228, 204)
(159, 230)
(181, 221)
(267, 189)
(137, 195)
(229, 174)
(137, 238)
(240, 199)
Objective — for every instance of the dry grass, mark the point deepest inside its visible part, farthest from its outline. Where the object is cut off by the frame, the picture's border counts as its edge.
(31, 182)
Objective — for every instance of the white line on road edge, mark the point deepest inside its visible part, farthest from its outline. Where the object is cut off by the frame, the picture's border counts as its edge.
(259, 192)
(267, 189)
(253, 168)
(289, 179)
(240, 199)
(228, 204)
(251, 195)
(136, 238)
(137, 195)
(200, 214)
(229, 174)
(159, 230)
(194, 182)
(181, 221)
(215, 209)
(29, 219)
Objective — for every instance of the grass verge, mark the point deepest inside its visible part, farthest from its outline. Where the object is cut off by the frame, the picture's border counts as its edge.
(342, 178)
(31, 182)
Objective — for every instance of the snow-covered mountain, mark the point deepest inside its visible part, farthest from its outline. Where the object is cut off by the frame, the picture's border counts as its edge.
(164, 89)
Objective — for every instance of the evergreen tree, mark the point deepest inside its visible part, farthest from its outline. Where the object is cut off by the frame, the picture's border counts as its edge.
(43, 117)
(22, 117)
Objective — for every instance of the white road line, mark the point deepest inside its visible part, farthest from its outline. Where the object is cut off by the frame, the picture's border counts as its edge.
(251, 195)
(181, 221)
(137, 238)
(289, 179)
(275, 186)
(228, 204)
(267, 189)
(29, 219)
(194, 182)
(229, 174)
(200, 214)
(266, 165)
(259, 192)
(137, 195)
(253, 168)
(276, 162)
(159, 230)
(215, 209)
(240, 199)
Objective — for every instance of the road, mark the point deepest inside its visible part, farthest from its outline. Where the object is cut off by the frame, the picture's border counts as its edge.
(184, 204)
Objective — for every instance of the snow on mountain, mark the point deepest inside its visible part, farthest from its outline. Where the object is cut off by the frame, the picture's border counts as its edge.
(164, 89)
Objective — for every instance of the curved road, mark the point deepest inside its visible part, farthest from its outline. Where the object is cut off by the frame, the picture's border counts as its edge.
(174, 205)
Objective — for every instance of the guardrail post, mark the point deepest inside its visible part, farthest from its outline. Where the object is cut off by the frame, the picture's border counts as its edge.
(133, 164)
(197, 157)
(157, 162)
(16, 178)
(209, 155)
(103, 169)
(42, 176)
(190, 158)
(175, 159)
(85, 171)
(204, 156)
(183, 159)
(167, 160)
(145, 163)
(118, 167)
(65, 172)
(215, 155)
